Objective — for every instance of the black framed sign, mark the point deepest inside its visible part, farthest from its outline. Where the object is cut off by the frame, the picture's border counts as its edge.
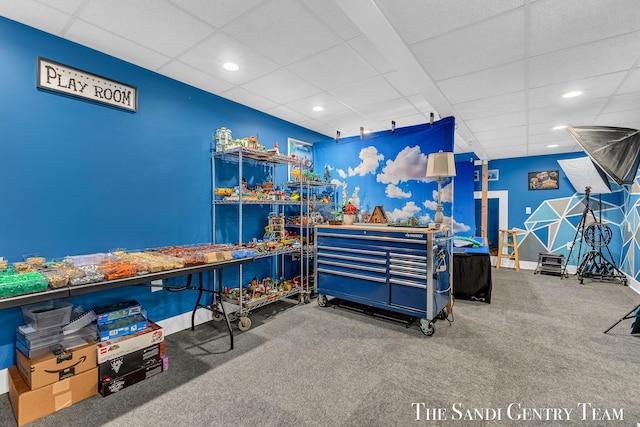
(74, 82)
(544, 180)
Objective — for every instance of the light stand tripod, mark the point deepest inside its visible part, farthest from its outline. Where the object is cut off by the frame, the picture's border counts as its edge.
(597, 235)
(633, 314)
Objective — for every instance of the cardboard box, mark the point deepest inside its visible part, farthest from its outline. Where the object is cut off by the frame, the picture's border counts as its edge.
(126, 363)
(151, 367)
(51, 367)
(109, 313)
(123, 326)
(110, 349)
(30, 405)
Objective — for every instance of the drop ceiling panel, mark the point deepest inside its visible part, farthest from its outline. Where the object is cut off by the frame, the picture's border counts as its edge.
(36, 15)
(624, 102)
(348, 122)
(509, 132)
(335, 67)
(559, 24)
(630, 118)
(402, 84)
(216, 13)
(371, 54)
(104, 41)
(367, 92)
(508, 152)
(508, 103)
(452, 55)
(614, 54)
(330, 104)
(552, 138)
(209, 55)
(355, 61)
(497, 122)
(545, 127)
(67, 6)
(595, 87)
(287, 114)
(417, 20)
(396, 108)
(182, 72)
(572, 109)
(284, 31)
(320, 127)
(157, 24)
(632, 82)
(504, 142)
(410, 120)
(281, 86)
(333, 17)
(250, 99)
(484, 84)
(422, 105)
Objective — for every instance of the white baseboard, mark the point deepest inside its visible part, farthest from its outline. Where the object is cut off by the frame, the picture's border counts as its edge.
(171, 326)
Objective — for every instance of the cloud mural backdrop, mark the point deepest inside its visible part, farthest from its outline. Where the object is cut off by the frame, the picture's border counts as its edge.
(389, 170)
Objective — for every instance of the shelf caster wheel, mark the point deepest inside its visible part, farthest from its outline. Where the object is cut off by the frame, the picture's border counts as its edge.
(322, 300)
(427, 327)
(217, 316)
(244, 324)
(307, 298)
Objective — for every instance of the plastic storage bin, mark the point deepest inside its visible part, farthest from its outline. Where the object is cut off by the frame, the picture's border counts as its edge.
(47, 314)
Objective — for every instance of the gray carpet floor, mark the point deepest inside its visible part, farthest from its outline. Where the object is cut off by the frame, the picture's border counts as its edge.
(539, 344)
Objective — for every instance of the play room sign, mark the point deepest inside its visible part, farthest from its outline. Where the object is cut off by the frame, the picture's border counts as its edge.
(71, 81)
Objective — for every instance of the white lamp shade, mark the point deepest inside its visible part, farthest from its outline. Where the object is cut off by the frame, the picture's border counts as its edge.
(441, 164)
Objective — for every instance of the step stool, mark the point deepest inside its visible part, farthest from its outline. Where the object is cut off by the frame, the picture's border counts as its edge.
(508, 240)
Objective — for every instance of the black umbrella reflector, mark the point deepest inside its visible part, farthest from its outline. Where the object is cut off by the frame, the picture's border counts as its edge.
(615, 150)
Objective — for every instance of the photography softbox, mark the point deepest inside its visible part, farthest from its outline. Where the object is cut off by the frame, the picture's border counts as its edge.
(615, 150)
(583, 173)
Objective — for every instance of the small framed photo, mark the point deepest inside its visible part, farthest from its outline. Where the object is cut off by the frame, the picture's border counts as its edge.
(544, 180)
(476, 175)
(493, 175)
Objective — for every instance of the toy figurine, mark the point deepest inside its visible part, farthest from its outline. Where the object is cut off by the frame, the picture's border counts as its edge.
(327, 173)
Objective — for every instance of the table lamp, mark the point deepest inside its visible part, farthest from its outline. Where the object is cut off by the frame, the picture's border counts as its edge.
(440, 165)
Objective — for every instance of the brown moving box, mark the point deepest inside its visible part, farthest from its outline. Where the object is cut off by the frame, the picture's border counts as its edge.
(49, 368)
(30, 405)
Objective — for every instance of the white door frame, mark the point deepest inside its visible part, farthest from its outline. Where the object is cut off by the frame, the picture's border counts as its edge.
(503, 205)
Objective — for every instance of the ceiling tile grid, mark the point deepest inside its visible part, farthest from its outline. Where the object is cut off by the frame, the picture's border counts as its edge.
(499, 66)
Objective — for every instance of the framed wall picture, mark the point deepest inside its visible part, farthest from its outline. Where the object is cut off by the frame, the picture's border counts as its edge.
(544, 180)
(493, 175)
(302, 151)
(476, 175)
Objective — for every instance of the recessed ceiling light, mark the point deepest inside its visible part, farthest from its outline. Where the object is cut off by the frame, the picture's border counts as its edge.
(572, 94)
(230, 66)
(318, 108)
(552, 145)
(559, 127)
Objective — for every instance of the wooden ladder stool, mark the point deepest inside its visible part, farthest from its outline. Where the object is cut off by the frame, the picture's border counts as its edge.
(505, 237)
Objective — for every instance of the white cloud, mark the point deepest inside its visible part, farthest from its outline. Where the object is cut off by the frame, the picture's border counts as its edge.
(396, 192)
(409, 164)
(459, 227)
(408, 210)
(342, 173)
(447, 192)
(430, 204)
(370, 161)
(337, 182)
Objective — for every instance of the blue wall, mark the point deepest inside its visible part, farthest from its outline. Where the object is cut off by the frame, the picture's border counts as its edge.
(556, 214)
(513, 178)
(79, 177)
